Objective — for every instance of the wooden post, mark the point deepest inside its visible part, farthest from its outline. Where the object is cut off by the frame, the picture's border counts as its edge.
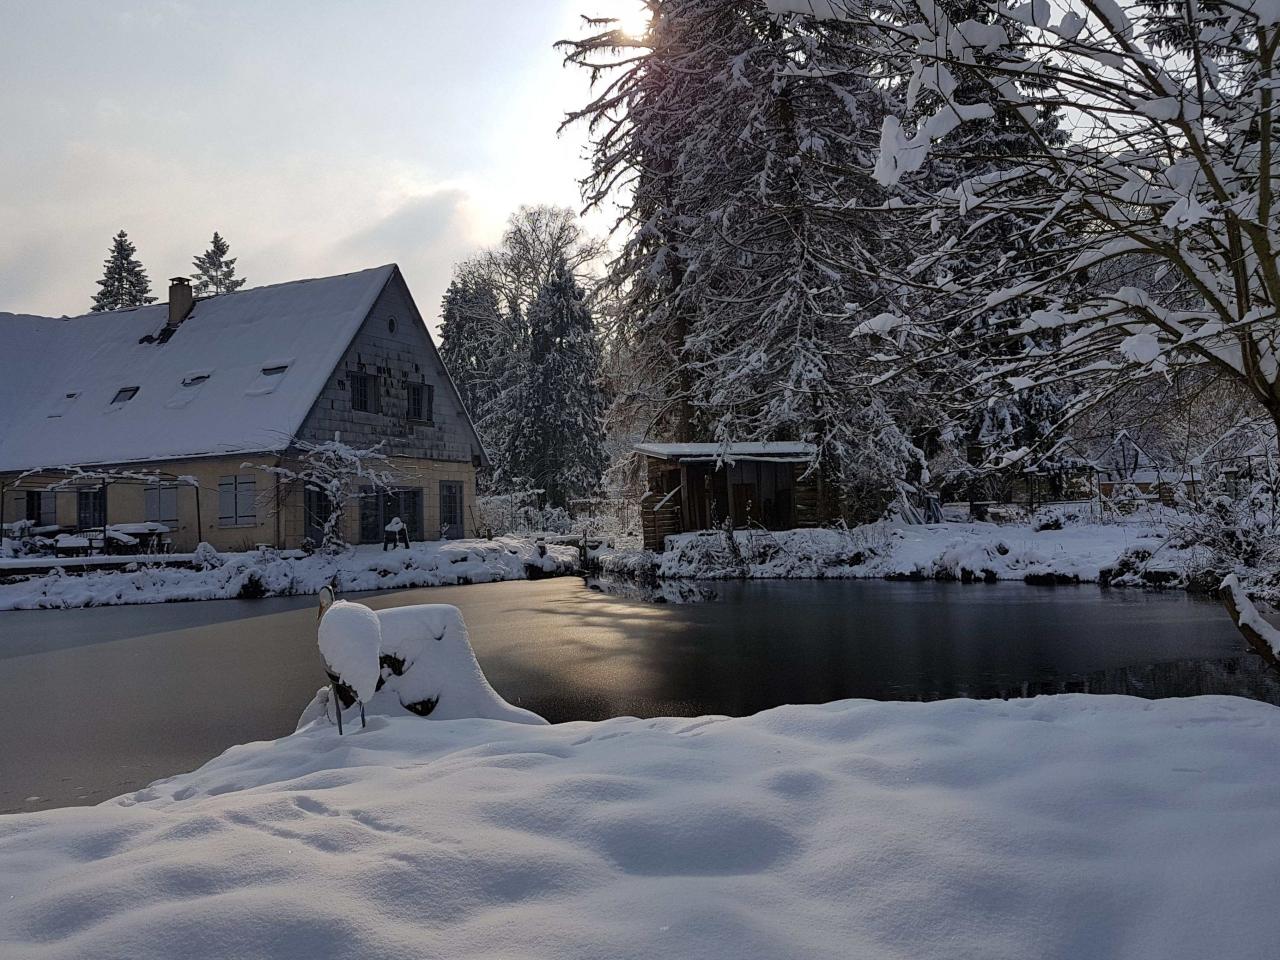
(279, 542)
(688, 521)
(728, 493)
(105, 547)
(199, 522)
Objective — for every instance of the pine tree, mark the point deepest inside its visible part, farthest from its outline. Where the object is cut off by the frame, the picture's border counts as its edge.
(476, 345)
(746, 138)
(559, 445)
(124, 282)
(214, 272)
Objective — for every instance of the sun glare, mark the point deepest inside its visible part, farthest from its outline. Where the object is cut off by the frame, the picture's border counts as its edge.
(632, 19)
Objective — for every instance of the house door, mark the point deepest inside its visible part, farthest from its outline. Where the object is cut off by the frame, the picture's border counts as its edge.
(451, 509)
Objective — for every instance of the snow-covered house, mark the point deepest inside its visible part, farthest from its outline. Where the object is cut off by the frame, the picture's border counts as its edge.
(698, 486)
(165, 404)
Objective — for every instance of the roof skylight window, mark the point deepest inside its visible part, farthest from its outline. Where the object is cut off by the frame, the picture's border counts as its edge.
(63, 404)
(269, 377)
(125, 394)
(188, 389)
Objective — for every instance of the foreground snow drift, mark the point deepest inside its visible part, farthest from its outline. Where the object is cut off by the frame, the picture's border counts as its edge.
(270, 573)
(1065, 827)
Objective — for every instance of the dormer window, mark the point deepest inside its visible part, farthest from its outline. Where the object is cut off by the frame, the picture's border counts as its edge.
(125, 394)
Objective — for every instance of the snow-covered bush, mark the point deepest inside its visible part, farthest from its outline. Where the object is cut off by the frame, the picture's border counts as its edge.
(1234, 532)
(206, 557)
(1057, 517)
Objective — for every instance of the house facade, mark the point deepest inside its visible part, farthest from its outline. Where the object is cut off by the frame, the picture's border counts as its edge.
(172, 415)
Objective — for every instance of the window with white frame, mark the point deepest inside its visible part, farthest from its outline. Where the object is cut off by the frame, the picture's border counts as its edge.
(237, 501)
(160, 501)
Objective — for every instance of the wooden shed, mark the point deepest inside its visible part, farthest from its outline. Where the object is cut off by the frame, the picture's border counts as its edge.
(697, 486)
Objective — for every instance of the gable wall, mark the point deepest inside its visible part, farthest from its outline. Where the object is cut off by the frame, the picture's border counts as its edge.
(398, 358)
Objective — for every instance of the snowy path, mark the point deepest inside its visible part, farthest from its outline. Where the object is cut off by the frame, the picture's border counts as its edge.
(1066, 828)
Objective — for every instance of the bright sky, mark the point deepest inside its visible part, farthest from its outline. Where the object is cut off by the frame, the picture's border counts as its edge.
(317, 136)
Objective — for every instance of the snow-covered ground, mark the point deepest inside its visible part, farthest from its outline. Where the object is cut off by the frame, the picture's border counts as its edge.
(951, 550)
(1074, 827)
(271, 573)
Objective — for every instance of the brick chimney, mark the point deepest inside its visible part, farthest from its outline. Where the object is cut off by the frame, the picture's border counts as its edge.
(181, 300)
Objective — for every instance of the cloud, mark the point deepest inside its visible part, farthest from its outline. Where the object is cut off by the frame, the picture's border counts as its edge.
(426, 235)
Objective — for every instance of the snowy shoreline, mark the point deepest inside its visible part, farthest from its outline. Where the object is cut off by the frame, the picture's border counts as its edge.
(1108, 554)
(273, 574)
(1067, 826)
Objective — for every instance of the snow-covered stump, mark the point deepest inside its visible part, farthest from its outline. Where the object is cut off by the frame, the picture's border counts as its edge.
(423, 666)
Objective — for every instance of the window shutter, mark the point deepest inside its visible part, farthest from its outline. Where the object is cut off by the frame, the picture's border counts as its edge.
(246, 508)
(227, 501)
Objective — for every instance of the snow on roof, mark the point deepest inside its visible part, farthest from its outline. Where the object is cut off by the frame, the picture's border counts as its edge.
(239, 375)
(769, 450)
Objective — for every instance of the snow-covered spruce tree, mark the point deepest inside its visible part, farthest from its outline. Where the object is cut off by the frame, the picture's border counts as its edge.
(482, 346)
(559, 442)
(486, 336)
(650, 145)
(124, 282)
(741, 137)
(1172, 157)
(338, 471)
(214, 272)
(470, 320)
(784, 271)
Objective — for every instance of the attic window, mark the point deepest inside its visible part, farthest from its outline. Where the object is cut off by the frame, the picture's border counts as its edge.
(188, 389)
(269, 377)
(125, 394)
(63, 404)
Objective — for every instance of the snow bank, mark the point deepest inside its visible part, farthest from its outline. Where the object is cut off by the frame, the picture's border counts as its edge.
(1059, 828)
(271, 573)
(1085, 553)
(423, 667)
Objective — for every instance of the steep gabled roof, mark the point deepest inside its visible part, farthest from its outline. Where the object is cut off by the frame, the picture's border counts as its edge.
(215, 387)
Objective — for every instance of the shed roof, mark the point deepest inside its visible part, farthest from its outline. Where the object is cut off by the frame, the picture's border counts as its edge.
(239, 375)
(776, 450)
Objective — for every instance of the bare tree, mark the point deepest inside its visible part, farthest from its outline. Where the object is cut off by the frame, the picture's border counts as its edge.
(337, 471)
(1170, 159)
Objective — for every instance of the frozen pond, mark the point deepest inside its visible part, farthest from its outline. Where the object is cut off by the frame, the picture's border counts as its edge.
(103, 700)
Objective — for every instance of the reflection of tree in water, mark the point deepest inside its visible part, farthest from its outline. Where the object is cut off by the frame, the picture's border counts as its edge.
(663, 591)
(1242, 676)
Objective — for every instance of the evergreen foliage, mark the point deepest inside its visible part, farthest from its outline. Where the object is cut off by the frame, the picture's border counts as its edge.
(215, 273)
(487, 341)
(559, 445)
(124, 282)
